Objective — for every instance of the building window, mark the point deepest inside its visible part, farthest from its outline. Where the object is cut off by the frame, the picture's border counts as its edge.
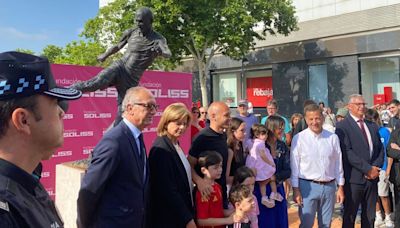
(226, 88)
(318, 83)
(259, 87)
(380, 79)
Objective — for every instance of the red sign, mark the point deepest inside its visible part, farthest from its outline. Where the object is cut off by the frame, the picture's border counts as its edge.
(387, 90)
(259, 90)
(89, 117)
(379, 99)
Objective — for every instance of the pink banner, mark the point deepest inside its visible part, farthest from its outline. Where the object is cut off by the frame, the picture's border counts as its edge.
(89, 117)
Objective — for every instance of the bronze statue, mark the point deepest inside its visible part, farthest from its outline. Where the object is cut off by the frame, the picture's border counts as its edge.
(144, 45)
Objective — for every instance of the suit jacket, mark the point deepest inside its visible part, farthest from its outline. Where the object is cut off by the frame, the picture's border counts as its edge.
(171, 202)
(114, 191)
(355, 149)
(395, 154)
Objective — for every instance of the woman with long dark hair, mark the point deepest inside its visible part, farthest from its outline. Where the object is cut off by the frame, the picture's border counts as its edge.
(236, 154)
(277, 216)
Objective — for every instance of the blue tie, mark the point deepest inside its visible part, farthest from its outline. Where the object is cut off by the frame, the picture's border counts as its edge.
(142, 150)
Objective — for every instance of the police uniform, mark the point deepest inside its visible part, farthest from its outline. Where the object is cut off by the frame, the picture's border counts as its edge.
(23, 200)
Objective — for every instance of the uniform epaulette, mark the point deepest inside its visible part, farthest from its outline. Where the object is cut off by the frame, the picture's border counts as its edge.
(4, 206)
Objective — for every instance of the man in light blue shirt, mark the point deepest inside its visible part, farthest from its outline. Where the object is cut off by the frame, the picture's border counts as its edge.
(248, 118)
(272, 110)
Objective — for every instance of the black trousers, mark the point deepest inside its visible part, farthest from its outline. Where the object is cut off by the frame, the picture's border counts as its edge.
(397, 205)
(356, 194)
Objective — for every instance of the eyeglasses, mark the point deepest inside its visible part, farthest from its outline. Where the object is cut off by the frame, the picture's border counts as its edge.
(149, 107)
(359, 104)
(195, 112)
(203, 112)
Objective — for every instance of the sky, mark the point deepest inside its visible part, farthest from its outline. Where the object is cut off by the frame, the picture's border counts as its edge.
(34, 24)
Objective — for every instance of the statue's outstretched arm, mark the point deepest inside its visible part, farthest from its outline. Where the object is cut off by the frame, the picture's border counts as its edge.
(115, 48)
(163, 48)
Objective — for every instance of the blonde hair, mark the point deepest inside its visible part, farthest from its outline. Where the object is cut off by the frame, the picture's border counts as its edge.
(173, 112)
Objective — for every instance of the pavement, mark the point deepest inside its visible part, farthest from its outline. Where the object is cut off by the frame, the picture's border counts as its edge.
(294, 220)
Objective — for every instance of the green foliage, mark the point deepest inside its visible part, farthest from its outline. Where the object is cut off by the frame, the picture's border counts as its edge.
(52, 52)
(201, 27)
(27, 51)
(198, 28)
(80, 53)
(111, 21)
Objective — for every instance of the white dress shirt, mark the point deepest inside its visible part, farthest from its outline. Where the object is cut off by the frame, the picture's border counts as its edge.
(371, 146)
(316, 157)
(187, 166)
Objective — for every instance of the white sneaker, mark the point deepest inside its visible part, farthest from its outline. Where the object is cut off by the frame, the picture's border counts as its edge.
(269, 203)
(276, 196)
(389, 223)
(378, 219)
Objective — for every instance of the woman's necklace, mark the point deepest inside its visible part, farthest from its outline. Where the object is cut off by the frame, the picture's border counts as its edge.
(272, 145)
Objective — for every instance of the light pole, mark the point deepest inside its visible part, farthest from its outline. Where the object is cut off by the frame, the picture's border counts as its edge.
(244, 61)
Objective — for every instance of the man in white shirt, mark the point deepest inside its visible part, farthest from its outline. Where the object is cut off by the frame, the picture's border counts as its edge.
(316, 163)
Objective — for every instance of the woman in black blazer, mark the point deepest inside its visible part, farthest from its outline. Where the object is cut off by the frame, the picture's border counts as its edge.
(171, 186)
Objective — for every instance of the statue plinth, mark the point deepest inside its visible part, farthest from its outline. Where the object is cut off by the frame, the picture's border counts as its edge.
(68, 183)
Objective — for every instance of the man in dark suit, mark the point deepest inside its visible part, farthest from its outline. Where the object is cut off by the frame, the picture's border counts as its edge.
(394, 152)
(362, 156)
(114, 190)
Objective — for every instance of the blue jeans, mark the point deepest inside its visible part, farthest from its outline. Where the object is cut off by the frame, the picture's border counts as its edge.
(317, 198)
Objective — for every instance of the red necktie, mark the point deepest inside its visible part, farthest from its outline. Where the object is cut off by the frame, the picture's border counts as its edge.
(361, 122)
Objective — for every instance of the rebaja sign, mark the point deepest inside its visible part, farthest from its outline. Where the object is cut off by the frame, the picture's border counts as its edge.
(259, 90)
(89, 117)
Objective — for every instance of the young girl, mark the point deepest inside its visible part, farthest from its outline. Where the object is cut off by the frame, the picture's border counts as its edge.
(236, 156)
(245, 176)
(261, 161)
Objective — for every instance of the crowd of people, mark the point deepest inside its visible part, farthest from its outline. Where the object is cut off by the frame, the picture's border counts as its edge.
(238, 172)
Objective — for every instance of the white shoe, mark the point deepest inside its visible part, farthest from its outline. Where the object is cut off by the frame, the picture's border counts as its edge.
(269, 203)
(276, 196)
(378, 220)
(389, 223)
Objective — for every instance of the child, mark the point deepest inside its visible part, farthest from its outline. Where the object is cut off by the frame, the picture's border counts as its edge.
(261, 161)
(210, 212)
(245, 176)
(242, 199)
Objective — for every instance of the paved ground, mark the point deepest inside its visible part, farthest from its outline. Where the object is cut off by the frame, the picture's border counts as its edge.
(295, 222)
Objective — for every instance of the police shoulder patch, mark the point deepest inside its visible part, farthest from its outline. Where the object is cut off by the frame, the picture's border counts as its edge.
(4, 206)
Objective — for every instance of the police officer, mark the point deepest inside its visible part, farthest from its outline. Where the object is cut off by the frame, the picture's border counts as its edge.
(31, 129)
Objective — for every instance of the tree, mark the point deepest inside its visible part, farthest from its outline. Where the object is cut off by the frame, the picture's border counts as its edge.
(80, 53)
(52, 52)
(109, 24)
(202, 28)
(199, 28)
(27, 51)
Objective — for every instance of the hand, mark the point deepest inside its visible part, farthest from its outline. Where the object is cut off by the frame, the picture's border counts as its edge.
(101, 58)
(373, 173)
(340, 195)
(387, 172)
(297, 198)
(394, 146)
(191, 224)
(235, 218)
(204, 188)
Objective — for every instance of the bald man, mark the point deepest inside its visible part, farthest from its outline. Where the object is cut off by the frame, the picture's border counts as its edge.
(212, 138)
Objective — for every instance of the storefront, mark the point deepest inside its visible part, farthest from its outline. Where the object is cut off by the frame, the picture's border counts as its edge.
(255, 85)
(380, 78)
